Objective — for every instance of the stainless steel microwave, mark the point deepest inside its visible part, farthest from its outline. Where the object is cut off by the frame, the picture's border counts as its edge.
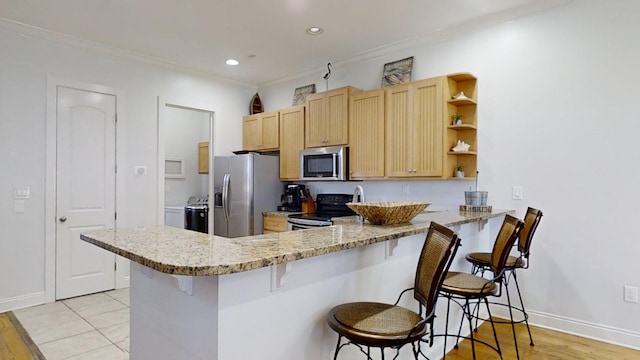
(327, 163)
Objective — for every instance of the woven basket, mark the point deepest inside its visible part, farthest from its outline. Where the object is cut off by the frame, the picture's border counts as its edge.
(388, 213)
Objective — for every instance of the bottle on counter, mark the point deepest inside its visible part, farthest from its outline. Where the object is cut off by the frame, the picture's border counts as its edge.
(304, 203)
(311, 206)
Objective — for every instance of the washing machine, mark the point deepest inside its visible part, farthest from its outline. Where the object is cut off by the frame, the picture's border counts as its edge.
(174, 216)
(196, 214)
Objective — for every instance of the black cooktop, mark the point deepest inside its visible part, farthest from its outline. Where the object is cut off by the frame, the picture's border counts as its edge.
(328, 206)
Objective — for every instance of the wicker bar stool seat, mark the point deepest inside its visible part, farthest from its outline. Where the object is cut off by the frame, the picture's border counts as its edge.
(469, 285)
(381, 325)
(483, 259)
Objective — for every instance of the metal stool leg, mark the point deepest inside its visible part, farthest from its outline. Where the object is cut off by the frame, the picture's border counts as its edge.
(513, 326)
(467, 306)
(446, 329)
(335, 356)
(495, 335)
(526, 316)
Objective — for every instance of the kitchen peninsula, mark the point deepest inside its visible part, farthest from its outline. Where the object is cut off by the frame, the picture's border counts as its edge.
(198, 296)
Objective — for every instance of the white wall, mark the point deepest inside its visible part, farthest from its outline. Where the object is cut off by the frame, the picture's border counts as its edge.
(25, 64)
(556, 98)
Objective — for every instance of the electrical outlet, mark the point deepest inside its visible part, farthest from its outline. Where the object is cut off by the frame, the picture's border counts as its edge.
(406, 190)
(516, 193)
(631, 294)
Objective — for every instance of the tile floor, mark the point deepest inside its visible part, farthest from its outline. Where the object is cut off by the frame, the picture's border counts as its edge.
(84, 328)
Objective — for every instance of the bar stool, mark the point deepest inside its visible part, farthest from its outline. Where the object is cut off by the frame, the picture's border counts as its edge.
(373, 324)
(463, 287)
(480, 262)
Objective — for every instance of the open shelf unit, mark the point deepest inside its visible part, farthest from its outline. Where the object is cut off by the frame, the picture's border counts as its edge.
(467, 131)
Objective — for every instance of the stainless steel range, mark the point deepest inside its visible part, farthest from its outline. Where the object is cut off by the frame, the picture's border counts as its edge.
(327, 206)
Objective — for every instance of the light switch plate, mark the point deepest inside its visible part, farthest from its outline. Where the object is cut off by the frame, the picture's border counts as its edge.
(516, 193)
(22, 192)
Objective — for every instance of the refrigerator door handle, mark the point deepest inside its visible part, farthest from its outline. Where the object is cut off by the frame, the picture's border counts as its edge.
(225, 196)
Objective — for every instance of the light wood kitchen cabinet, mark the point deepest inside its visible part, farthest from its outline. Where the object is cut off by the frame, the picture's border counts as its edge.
(291, 141)
(203, 157)
(273, 223)
(261, 132)
(326, 119)
(466, 131)
(366, 135)
(414, 129)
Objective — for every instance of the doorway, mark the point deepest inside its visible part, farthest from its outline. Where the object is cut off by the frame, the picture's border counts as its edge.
(185, 134)
(85, 194)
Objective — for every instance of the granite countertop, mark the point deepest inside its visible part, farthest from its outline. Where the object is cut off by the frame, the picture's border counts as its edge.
(184, 252)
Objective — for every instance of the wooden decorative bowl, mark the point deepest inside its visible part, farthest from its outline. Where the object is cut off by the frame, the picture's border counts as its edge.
(388, 213)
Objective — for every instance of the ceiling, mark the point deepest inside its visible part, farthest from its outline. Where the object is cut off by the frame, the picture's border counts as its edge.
(267, 36)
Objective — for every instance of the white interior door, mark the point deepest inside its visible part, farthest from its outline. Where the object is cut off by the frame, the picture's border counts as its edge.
(85, 194)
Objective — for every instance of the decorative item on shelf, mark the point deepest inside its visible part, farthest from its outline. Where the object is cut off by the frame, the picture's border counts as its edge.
(397, 72)
(327, 76)
(461, 146)
(301, 93)
(475, 208)
(475, 201)
(459, 171)
(255, 106)
(460, 96)
(457, 119)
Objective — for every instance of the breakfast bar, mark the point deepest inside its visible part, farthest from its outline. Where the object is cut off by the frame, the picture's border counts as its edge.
(199, 296)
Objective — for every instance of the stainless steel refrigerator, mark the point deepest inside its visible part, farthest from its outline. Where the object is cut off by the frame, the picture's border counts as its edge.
(244, 187)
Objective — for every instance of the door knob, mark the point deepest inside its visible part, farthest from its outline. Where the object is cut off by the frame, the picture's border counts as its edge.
(63, 219)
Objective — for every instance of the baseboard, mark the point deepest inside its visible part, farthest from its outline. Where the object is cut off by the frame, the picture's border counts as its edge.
(599, 332)
(22, 301)
(124, 282)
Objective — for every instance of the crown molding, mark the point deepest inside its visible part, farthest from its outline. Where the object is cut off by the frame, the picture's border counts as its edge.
(53, 36)
(527, 9)
(467, 27)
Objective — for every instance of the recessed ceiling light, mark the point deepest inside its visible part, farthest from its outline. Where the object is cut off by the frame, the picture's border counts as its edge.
(314, 30)
(232, 62)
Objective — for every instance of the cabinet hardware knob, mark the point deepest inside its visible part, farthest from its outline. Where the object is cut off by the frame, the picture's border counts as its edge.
(63, 219)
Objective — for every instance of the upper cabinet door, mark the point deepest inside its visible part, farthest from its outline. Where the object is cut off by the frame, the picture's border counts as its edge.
(337, 113)
(398, 139)
(261, 132)
(270, 130)
(251, 132)
(414, 129)
(366, 135)
(427, 129)
(327, 117)
(314, 120)
(203, 157)
(292, 141)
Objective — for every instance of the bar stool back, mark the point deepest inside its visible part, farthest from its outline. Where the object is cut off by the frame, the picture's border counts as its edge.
(463, 287)
(373, 324)
(480, 263)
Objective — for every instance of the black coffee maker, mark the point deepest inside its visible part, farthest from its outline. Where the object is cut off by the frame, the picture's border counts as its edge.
(292, 198)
